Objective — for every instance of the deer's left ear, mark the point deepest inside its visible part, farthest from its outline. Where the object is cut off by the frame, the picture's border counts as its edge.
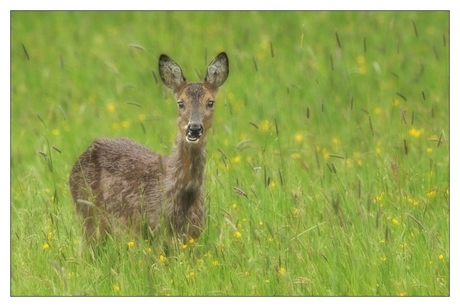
(218, 70)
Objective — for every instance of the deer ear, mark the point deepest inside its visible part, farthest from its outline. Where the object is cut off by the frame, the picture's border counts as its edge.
(170, 72)
(218, 70)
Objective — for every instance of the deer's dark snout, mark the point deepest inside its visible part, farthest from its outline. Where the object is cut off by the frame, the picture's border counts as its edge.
(194, 132)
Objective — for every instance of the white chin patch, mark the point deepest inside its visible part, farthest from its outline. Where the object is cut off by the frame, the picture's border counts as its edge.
(192, 140)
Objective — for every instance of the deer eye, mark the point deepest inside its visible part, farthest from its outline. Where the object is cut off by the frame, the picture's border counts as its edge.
(211, 104)
(181, 105)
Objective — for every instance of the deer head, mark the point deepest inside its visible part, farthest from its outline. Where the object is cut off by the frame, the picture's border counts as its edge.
(195, 100)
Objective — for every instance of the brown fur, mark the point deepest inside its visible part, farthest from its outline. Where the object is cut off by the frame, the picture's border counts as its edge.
(118, 184)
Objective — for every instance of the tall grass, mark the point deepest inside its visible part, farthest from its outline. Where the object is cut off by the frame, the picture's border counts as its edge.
(328, 162)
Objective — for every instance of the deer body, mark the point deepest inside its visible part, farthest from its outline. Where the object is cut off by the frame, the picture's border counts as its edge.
(117, 183)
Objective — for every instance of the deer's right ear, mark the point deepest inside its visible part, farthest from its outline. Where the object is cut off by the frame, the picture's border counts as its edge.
(170, 72)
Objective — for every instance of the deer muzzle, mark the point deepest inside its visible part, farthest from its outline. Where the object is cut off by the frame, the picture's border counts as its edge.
(194, 132)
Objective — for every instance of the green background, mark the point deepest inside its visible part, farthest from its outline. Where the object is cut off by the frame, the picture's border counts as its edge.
(333, 125)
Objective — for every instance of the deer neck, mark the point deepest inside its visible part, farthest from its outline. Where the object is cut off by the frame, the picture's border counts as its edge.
(186, 173)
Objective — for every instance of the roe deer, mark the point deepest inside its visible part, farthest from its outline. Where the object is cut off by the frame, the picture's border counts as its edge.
(119, 183)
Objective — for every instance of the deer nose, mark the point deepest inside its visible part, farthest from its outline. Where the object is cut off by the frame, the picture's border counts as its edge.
(194, 132)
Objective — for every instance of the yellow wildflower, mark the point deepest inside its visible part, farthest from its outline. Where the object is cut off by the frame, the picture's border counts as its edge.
(111, 107)
(264, 125)
(237, 234)
(379, 197)
(431, 193)
(298, 137)
(235, 159)
(125, 124)
(415, 132)
(349, 162)
(191, 274)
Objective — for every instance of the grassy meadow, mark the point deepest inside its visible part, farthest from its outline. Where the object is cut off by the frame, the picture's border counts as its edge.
(328, 161)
